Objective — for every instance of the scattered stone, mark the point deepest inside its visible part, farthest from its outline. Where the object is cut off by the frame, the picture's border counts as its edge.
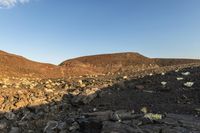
(51, 125)
(1, 100)
(164, 83)
(48, 90)
(144, 110)
(21, 103)
(48, 86)
(47, 105)
(3, 125)
(139, 87)
(185, 73)
(122, 115)
(113, 127)
(75, 126)
(62, 126)
(176, 130)
(153, 116)
(189, 84)
(86, 97)
(10, 116)
(94, 109)
(125, 77)
(198, 110)
(14, 130)
(148, 91)
(169, 121)
(179, 78)
(81, 83)
(162, 74)
(100, 116)
(177, 70)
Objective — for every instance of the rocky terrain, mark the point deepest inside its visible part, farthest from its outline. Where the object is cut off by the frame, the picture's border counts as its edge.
(119, 93)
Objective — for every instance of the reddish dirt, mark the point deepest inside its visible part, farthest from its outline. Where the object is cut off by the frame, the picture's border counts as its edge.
(110, 62)
(14, 65)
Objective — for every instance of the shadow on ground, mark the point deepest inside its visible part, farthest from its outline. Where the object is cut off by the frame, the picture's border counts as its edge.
(117, 108)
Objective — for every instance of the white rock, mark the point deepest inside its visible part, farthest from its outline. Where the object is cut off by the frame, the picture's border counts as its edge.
(80, 82)
(94, 109)
(125, 77)
(179, 78)
(48, 90)
(144, 110)
(48, 86)
(153, 116)
(185, 73)
(189, 84)
(162, 74)
(163, 83)
(4, 86)
(177, 70)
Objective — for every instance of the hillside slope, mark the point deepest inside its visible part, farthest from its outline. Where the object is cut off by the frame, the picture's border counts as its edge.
(14, 65)
(171, 62)
(110, 62)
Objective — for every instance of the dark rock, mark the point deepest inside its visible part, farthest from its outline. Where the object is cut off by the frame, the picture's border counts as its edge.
(10, 116)
(139, 87)
(124, 115)
(14, 130)
(3, 125)
(75, 126)
(176, 130)
(150, 128)
(100, 116)
(51, 125)
(62, 126)
(115, 127)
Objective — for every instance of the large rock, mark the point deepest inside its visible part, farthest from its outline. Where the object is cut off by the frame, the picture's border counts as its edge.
(14, 130)
(86, 96)
(10, 116)
(115, 127)
(51, 125)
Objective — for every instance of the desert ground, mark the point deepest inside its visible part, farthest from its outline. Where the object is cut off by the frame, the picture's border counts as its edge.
(110, 93)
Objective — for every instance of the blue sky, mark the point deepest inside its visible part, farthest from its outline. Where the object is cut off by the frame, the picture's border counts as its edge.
(55, 30)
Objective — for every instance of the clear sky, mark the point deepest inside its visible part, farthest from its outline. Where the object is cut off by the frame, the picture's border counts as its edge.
(55, 30)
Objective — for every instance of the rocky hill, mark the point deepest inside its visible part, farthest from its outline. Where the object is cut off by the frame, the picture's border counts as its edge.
(109, 60)
(110, 63)
(172, 62)
(18, 66)
(117, 62)
(121, 93)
